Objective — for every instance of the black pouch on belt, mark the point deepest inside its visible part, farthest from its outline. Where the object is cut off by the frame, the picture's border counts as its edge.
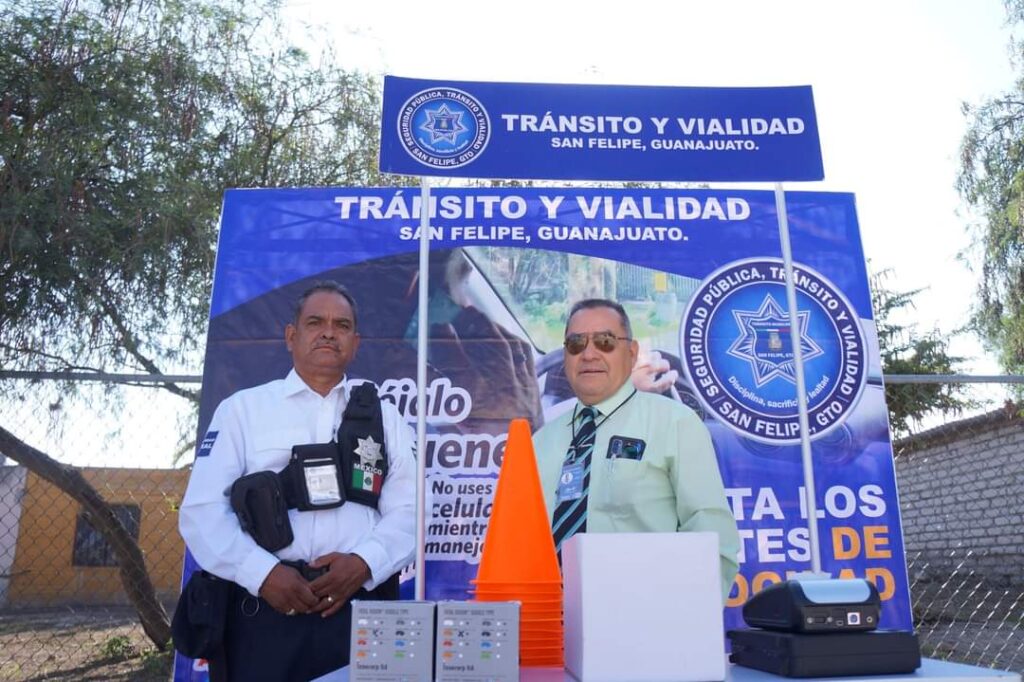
(259, 501)
(197, 627)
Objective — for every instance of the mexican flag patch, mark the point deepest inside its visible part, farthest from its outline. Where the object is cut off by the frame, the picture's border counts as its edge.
(367, 479)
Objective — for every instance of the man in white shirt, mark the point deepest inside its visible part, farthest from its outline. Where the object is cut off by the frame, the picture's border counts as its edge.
(289, 616)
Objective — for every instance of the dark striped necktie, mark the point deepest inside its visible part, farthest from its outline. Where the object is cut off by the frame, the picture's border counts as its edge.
(570, 516)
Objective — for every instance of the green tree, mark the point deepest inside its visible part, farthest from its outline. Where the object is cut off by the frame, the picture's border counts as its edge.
(991, 180)
(904, 350)
(121, 124)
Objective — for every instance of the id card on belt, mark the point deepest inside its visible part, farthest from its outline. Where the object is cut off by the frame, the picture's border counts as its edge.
(570, 483)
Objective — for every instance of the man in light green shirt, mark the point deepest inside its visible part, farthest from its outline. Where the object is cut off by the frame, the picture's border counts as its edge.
(652, 467)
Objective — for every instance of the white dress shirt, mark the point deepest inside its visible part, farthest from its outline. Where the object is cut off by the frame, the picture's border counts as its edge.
(254, 430)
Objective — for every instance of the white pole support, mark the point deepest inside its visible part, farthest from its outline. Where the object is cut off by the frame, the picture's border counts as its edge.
(421, 391)
(801, 386)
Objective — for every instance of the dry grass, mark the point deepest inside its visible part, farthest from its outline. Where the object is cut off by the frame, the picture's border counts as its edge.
(81, 644)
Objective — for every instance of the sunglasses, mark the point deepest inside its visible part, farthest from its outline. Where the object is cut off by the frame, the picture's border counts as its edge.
(603, 341)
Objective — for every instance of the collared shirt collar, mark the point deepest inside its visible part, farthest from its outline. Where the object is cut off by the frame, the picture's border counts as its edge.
(293, 384)
(608, 405)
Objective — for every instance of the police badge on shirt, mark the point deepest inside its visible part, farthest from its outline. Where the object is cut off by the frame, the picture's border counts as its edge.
(367, 475)
(364, 458)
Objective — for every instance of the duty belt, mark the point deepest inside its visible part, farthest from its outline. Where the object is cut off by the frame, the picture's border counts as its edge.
(305, 570)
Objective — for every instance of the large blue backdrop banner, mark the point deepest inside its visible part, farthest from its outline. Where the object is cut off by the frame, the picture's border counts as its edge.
(598, 132)
(699, 272)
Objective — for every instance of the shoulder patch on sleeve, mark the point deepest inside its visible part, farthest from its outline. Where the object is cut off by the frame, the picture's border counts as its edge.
(207, 444)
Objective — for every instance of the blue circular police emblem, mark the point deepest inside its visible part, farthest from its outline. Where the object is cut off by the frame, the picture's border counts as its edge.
(443, 127)
(737, 350)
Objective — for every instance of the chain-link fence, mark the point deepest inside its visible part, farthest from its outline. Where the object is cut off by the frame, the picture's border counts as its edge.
(961, 482)
(64, 612)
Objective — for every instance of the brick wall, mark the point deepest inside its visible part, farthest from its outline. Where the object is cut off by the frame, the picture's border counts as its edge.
(961, 491)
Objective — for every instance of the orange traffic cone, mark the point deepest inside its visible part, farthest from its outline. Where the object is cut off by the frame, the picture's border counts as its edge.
(518, 547)
(519, 562)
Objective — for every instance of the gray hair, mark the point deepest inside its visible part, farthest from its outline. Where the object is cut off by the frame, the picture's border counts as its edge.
(590, 303)
(331, 286)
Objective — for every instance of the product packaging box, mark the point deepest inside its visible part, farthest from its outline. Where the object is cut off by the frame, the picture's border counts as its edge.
(477, 641)
(392, 641)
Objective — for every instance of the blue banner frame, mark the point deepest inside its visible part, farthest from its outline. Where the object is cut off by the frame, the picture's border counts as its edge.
(701, 265)
(598, 132)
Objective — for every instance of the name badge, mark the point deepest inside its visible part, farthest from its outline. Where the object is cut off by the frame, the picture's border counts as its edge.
(570, 484)
(322, 482)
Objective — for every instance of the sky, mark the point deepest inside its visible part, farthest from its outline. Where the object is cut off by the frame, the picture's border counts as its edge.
(889, 79)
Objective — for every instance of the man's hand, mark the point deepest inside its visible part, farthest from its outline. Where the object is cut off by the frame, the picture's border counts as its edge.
(650, 365)
(287, 591)
(333, 589)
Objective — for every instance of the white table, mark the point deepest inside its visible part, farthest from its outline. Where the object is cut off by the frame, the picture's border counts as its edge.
(939, 671)
(930, 669)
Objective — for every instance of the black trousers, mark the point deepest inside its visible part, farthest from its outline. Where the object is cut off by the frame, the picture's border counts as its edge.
(263, 644)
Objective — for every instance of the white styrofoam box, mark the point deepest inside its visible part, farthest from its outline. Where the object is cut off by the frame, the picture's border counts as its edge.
(643, 607)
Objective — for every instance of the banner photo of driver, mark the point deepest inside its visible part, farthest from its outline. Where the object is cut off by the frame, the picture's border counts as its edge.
(701, 276)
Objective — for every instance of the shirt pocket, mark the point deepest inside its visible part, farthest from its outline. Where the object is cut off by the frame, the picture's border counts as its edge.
(272, 449)
(622, 478)
(633, 485)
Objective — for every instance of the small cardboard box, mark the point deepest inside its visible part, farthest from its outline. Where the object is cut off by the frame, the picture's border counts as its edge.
(392, 641)
(477, 641)
(643, 606)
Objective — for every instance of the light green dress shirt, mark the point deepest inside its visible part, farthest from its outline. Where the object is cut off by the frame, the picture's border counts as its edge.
(675, 486)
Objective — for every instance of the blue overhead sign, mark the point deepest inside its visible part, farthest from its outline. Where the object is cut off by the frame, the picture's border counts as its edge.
(598, 132)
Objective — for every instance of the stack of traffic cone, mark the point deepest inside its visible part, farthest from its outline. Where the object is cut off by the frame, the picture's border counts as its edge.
(519, 562)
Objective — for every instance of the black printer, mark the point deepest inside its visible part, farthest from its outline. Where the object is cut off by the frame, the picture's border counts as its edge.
(820, 627)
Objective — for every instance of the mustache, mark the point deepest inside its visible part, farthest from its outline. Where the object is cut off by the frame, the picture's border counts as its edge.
(327, 344)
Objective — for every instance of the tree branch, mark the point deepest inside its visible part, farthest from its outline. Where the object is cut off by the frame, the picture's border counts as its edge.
(130, 344)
